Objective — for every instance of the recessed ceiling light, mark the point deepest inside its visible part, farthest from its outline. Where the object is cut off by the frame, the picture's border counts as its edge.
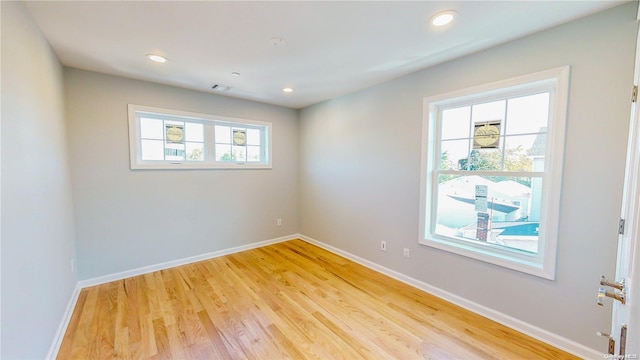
(156, 58)
(287, 90)
(443, 18)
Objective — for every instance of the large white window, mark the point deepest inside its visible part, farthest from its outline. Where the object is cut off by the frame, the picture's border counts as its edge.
(169, 139)
(491, 171)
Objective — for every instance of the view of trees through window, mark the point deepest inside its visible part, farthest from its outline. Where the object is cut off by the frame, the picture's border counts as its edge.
(514, 160)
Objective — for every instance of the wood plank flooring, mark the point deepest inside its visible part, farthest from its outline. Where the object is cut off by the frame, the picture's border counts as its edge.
(291, 300)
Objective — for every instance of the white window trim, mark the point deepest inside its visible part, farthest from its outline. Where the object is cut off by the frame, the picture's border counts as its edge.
(135, 154)
(542, 264)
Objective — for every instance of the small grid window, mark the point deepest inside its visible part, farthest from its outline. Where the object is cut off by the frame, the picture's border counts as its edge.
(161, 138)
(171, 140)
(236, 143)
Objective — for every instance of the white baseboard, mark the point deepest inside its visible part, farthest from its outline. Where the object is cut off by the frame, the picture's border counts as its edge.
(173, 263)
(516, 324)
(62, 328)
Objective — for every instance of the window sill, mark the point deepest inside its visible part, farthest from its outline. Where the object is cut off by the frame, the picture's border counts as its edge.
(192, 166)
(521, 261)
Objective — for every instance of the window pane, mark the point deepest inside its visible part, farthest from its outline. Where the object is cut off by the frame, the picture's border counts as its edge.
(521, 152)
(174, 122)
(194, 132)
(223, 153)
(455, 123)
(253, 137)
(504, 211)
(195, 151)
(240, 153)
(239, 136)
(223, 134)
(488, 111)
(454, 154)
(151, 129)
(174, 132)
(253, 153)
(485, 160)
(153, 149)
(173, 151)
(528, 114)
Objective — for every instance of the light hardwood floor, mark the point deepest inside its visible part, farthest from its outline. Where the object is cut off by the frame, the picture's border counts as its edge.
(291, 300)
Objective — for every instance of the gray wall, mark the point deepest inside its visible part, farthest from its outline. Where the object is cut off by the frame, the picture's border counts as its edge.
(37, 213)
(360, 173)
(129, 219)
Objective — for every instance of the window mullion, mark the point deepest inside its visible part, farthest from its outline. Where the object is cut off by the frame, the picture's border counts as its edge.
(164, 139)
(470, 141)
(210, 142)
(492, 173)
(438, 143)
(504, 134)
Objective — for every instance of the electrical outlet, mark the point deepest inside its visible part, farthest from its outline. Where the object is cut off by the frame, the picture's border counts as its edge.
(383, 245)
(406, 253)
(279, 222)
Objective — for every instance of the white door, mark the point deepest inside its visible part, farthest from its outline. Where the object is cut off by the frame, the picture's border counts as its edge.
(626, 313)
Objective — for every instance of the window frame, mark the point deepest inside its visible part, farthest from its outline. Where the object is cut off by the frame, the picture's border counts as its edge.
(542, 263)
(135, 112)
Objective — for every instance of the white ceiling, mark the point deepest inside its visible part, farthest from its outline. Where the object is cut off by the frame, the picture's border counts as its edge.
(332, 48)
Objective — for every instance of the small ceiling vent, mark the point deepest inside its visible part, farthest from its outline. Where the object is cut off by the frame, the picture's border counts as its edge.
(220, 87)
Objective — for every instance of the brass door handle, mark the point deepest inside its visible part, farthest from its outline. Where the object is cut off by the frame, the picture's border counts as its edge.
(614, 284)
